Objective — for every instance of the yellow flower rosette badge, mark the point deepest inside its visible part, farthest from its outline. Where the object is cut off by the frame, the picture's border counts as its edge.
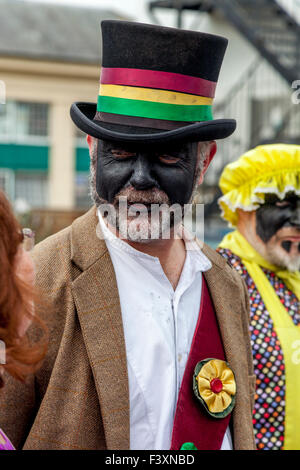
(214, 386)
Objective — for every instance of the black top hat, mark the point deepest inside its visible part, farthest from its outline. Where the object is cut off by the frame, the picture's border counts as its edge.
(157, 85)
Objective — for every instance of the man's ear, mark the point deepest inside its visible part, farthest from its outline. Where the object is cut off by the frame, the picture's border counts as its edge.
(89, 140)
(210, 153)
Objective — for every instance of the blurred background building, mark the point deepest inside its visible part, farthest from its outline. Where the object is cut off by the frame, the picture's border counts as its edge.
(50, 56)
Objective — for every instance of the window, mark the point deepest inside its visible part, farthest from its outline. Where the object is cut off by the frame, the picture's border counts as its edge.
(32, 119)
(31, 190)
(3, 119)
(24, 122)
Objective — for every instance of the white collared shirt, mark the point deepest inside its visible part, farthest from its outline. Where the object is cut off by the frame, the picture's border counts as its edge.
(159, 326)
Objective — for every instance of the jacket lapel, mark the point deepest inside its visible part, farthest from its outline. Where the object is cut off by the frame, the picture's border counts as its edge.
(97, 301)
(228, 308)
(221, 287)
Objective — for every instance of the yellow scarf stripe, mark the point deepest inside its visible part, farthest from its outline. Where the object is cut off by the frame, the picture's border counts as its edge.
(153, 95)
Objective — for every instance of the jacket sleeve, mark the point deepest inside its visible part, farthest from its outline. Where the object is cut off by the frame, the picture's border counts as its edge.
(17, 409)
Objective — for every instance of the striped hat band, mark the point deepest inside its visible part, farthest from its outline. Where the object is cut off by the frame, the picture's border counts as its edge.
(154, 95)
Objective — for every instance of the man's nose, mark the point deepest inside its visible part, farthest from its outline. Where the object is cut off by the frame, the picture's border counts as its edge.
(295, 219)
(142, 178)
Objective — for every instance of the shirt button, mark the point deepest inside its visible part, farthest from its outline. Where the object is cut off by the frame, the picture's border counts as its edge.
(179, 357)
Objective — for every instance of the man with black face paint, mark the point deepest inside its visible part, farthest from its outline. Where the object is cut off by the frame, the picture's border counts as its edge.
(147, 176)
(262, 199)
(150, 345)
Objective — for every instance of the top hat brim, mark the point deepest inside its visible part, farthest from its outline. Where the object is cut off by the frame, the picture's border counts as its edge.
(83, 115)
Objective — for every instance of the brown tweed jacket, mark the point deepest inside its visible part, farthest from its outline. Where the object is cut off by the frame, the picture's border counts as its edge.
(79, 398)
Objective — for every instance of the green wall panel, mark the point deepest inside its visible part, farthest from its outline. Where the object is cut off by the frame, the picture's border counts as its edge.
(24, 157)
(33, 157)
(82, 159)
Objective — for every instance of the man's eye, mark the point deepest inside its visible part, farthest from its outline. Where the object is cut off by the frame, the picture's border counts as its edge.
(283, 204)
(122, 154)
(168, 159)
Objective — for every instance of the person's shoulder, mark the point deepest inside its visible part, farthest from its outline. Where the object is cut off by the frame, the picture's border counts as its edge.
(53, 257)
(51, 249)
(225, 270)
(58, 246)
(233, 261)
(219, 261)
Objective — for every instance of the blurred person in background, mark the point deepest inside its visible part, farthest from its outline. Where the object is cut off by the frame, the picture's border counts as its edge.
(18, 357)
(261, 198)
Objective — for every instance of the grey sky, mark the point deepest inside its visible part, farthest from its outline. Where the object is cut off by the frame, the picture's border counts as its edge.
(136, 10)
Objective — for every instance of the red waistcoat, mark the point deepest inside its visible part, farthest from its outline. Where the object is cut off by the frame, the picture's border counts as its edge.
(192, 423)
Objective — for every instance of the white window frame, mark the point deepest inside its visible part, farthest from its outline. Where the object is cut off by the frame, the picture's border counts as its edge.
(11, 134)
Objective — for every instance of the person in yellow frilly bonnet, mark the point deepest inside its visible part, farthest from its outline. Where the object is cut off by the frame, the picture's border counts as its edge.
(261, 201)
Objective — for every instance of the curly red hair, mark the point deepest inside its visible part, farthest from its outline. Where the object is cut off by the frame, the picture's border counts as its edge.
(16, 301)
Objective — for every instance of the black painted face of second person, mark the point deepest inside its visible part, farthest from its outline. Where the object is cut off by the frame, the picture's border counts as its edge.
(160, 175)
(278, 226)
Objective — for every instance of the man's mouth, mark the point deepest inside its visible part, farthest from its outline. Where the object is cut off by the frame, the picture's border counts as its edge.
(141, 207)
(133, 197)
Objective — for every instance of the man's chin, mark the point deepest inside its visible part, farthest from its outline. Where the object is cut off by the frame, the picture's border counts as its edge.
(145, 228)
(142, 222)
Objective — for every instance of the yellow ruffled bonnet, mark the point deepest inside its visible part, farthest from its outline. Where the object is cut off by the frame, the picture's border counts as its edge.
(266, 169)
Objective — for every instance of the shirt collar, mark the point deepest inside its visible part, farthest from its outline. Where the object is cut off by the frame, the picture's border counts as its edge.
(199, 260)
